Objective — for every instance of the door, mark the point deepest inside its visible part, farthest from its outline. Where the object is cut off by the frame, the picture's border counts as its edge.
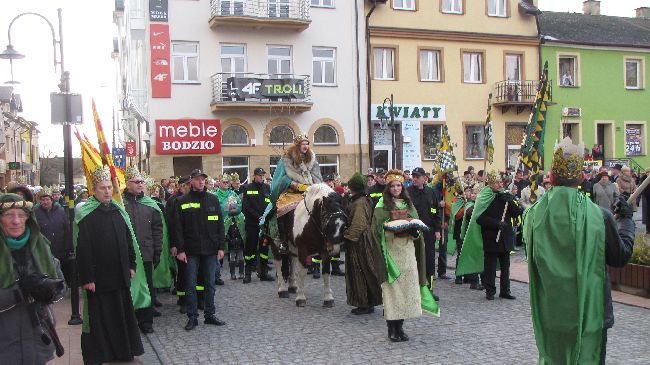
(382, 157)
(232, 7)
(278, 8)
(185, 164)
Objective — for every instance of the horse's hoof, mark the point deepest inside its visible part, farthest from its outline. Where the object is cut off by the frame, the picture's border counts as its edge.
(283, 294)
(301, 302)
(293, 289)
(328, 303)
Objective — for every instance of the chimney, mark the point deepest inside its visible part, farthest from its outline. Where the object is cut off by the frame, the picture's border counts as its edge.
(591, 7)
(643, 12)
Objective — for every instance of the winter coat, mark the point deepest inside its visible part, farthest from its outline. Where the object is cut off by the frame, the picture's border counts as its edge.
(55, 226)
(304, 173)
(199, 224)
(626, 184)
(605, 194)
(147, 224)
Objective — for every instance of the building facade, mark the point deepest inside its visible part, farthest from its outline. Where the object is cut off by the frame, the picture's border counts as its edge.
(230, 83)
(440, 60)
(598, 67)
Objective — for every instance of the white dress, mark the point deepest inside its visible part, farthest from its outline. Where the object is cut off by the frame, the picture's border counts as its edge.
(402, 297)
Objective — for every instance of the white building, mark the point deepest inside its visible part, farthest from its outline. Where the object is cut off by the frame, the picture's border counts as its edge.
(266, 70)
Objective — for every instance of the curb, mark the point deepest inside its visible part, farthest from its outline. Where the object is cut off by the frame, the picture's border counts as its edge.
(158, 349)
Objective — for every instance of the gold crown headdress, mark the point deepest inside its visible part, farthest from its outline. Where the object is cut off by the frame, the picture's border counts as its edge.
(301, 137)
(46, 191)
(568, 160)
(101, 173)
(150, 182)
(233, 177)
(493, 177)
(22, 179)
(394, 175)
(132, 172)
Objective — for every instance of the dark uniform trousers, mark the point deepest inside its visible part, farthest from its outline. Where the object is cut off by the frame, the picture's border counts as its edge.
(490, 270)
(254, 248)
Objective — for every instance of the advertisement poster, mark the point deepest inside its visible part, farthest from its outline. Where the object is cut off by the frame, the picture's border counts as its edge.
(188, 136)
(158, 10)
(161, 83)
(411, 157)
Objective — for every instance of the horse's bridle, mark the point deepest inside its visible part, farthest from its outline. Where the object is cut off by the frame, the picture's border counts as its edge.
(329, 217)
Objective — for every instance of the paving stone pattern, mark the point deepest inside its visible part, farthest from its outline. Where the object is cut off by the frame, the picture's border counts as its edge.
(264, 329)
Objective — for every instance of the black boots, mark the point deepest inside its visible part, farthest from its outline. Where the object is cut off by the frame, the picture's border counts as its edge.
(264, 273)
(240, 263)
(316, 270)
(247, 275)
(336, 269)
(395, 331)
(232, 265)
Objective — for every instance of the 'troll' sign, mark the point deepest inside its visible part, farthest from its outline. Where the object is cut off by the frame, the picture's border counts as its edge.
(188, 136)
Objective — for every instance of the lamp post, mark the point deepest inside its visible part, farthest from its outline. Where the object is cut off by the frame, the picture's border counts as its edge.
(64, 86)
(391, 126)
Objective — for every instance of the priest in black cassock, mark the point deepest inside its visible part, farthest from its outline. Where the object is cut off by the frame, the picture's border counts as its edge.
(108, 259)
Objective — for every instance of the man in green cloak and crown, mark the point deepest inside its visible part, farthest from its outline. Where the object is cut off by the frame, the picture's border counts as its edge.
(569, 241)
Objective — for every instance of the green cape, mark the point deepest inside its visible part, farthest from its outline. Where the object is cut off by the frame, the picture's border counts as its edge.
(463, 227)
(39, 246)
(139, 289)
(241, 226)
(471, 255)
(451, 242)
(381, 216)
(565, 245)
(162, 277)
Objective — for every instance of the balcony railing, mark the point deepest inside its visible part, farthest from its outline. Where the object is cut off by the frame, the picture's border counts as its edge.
(273, 13)
(255, 91)
(520, 94)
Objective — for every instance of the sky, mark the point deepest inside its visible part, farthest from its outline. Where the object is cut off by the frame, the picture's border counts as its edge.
(88, 32)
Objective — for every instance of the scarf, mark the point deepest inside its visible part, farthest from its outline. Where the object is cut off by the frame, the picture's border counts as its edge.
(20, 242)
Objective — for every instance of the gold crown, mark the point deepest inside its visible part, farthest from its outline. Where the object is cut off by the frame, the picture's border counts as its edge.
(301, 137)
(568, 160)
(132, 172)
(394, 175)
(150, 182)
(233, 177)
(101, 173)
(493, 177)
(22, 179)
(46, 191)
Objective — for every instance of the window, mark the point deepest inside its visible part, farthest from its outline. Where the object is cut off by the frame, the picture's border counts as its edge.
(429, 65)
(238, 164)
(452, 6)
(474, 142)
(326, 135)
(232, 7)
(513, 67)
(633, 74)
(322, 3)
(185, 62)
(281, 135)
(568, 71)
(404, 4)
(278, 8)
(634, 140)
(384, 61)
(234, 135)
(233, 58)
(279, 61)
(329, 164)
(473, 67)
(273, 163)
(430, 139)
(497, 7)
(324, 66)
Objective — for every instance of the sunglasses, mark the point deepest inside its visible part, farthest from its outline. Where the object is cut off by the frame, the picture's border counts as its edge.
(137, 181)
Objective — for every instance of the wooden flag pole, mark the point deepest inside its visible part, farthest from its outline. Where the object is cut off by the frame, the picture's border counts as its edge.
(503, 217)
(639, 190)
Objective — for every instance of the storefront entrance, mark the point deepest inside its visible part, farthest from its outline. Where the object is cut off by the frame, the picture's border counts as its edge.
(184, 165)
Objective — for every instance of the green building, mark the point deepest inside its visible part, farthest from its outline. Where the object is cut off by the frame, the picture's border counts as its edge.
(597, 65)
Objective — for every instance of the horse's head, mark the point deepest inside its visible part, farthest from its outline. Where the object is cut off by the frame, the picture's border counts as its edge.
(333, 220)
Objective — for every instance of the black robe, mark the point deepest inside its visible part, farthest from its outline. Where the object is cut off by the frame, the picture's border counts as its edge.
(104, 257)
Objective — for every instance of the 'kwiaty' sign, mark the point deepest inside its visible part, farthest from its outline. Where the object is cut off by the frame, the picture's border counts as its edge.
(188, 136)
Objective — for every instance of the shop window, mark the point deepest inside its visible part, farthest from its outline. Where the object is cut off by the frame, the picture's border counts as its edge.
(474, 142)
(329, 164)
(634, 140)
(326, 135)
(430, 139)
(234, 135)
(281, 135)
(567, 66)
(238, 164)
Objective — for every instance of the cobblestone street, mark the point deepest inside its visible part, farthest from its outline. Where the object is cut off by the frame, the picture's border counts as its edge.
(261, 328)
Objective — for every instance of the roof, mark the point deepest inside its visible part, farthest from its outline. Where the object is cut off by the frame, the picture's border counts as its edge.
(597, 30)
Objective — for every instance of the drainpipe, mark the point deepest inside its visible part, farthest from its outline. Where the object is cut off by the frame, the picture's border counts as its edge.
(369, 82)
(356, 39)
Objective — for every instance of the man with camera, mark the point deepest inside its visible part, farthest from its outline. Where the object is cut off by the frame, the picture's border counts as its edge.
(30, 280)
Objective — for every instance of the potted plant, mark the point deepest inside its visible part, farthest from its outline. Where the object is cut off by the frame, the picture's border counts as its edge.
(634, 278)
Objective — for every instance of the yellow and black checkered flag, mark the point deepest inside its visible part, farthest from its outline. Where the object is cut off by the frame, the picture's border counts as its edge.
(532, 147)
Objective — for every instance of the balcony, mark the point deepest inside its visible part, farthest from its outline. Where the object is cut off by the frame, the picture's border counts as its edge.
(260, 92)
(518, 94)
(279, 14)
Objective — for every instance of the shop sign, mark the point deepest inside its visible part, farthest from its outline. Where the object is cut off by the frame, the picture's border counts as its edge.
(592, 164)
(130, 148)
(14, 165)
(158, 10)
(161, 82)
(119, 158)
(409, 111)
(633, 139)
(188, 136)
(252, 88)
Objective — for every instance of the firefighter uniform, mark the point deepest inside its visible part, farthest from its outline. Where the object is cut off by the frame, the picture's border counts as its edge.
(255, 199)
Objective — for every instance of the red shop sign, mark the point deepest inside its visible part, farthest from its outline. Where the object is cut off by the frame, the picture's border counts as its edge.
(188, 136)
(130, 148)
(161, 82)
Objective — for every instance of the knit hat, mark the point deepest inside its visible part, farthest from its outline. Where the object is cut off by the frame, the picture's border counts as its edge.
(11, 201)
(357, 183)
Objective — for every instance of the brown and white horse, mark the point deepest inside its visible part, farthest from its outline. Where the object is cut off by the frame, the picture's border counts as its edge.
(318, 225)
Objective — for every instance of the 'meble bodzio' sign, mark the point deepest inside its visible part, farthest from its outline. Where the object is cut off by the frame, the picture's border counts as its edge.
(252, 88)
(409, 112)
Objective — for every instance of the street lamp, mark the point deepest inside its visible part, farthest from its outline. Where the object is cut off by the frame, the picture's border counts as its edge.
(11, 54)
(391, 126)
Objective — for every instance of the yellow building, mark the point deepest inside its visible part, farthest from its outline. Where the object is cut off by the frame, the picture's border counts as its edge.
(440, 59)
